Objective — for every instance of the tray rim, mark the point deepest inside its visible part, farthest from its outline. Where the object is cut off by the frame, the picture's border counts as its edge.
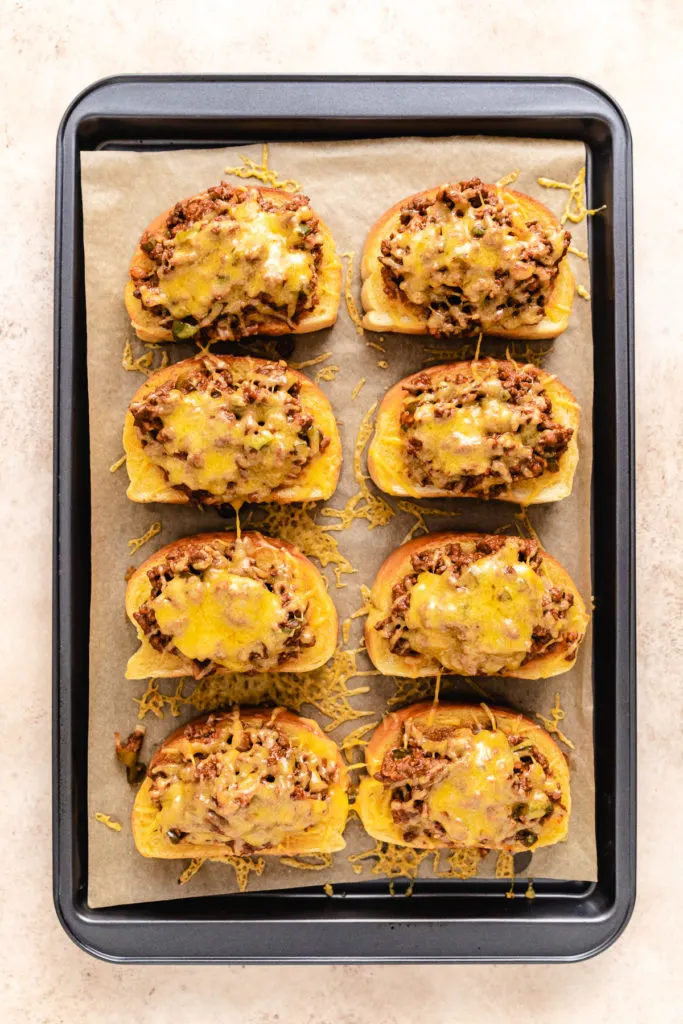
(86, 927)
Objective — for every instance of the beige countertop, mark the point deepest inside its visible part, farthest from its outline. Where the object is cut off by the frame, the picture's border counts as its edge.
(50, 52)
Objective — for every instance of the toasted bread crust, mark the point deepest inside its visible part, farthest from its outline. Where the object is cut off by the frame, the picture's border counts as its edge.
(398, 565)
(379, 824)
(385, 461)
(323, 315)
(148, 481)
(150, 842)
(384, 313)
(148, 662)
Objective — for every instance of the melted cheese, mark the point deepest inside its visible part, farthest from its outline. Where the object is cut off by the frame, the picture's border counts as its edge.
(242, 783)
(464, 252)
(460, 444)
(205, 428)
(251, 808)
(480, 622)
(222, 617)
(230, 261)
(474, 801)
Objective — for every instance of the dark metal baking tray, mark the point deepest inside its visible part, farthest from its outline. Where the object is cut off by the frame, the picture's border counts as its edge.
(444, 921)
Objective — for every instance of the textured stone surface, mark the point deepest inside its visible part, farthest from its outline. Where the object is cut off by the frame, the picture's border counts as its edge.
(49, 52)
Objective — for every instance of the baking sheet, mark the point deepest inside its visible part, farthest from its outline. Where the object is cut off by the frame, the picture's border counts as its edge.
(350, 184)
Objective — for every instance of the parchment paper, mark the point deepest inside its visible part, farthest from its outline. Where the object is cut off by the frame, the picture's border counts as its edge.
(350, 184)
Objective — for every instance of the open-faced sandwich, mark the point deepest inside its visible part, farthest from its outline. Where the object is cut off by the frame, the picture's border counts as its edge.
(485, 429)
(255, 780)
(464, 775)
(467, 257)
(218, 601)
(215, 430)
(474, 604)
(231, 262)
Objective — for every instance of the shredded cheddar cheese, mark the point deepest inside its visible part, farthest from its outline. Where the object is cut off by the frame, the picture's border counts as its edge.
(262, 172)
(420, 512)
(105, 819)
(491, 716)
(327, 689)
(528, 351)
(346, 630)
(243, 868)
(530, 891)
(143, 363)
(364, 504)
(453, 354)
(375, 344)
(575, 209)
(328, 373)
(507, 179)
(205, 349)
(523, 524)
(117, 465)
(353, 740)
(313, 862)
(176, 700)
(296, 524)
(390, 860)
(551, 725)
(505, 865)
(357, 389)
(311, 362)
(328, 889)
(366, 606)
(578, 252)
(383, 364)
(461, 863)
(152, 700)
(351, 306)
(264, 348)
(583, 292)
(136, 543)
(475, 686)
(190, 871)
(410, 691)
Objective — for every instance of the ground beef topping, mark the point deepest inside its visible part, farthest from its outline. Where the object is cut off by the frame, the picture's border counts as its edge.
(470, 259)
(229, 260)
(464, 786)
(226, 431)
(477, 433)
(234, 782)
(226, 604)
(479, 607)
